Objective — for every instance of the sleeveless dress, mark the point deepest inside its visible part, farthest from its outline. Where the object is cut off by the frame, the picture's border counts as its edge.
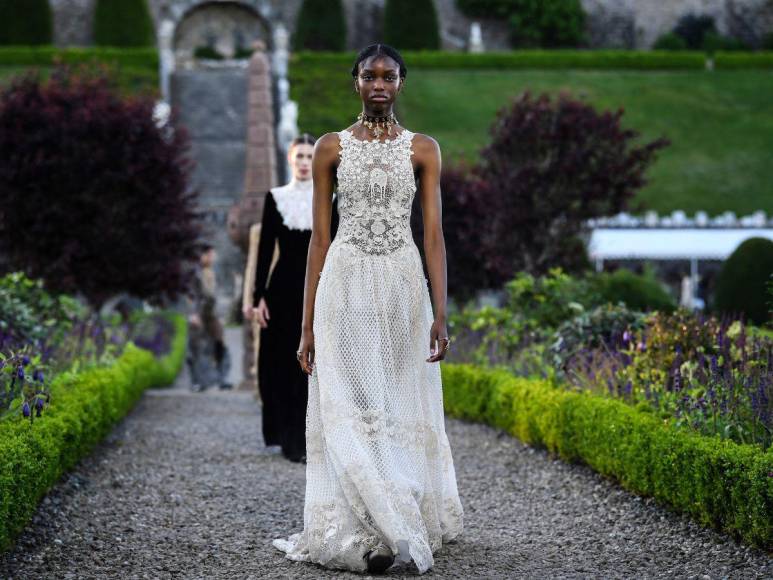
(379, 467)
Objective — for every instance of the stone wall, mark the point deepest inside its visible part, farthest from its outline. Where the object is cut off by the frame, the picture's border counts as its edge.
(611, 23)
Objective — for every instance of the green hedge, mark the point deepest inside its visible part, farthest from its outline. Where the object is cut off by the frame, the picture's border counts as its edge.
(144, 58)
(85, 407)
(526, 59)
(720, 483)
(743, 60)
(136, 69)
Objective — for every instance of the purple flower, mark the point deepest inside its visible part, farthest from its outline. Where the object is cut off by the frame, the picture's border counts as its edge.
(25, 408)
(39, 404)
(627, 337)
(37, 375)
(20, 372)
(25, 360)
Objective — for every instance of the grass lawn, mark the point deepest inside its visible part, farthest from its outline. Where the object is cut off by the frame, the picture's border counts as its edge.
(720, 125)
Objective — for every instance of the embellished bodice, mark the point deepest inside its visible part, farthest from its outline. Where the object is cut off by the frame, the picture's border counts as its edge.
(376, 186)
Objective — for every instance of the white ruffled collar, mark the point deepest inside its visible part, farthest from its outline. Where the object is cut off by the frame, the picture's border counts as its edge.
(294, 203)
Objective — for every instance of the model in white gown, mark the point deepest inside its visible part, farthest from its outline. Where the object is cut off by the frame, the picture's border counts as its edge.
(379, 465)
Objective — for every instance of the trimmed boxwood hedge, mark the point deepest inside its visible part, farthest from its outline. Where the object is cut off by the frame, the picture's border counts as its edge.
(720, 483)
(85, 406)
(145, 58)
(526, 59)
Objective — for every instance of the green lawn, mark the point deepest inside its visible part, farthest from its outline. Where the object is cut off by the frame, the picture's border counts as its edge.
(720, 125)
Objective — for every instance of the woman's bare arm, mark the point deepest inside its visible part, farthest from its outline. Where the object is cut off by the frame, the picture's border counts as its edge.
(323, 172)
(427, 155)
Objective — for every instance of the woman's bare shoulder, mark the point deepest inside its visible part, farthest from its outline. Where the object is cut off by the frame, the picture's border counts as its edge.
(425, 147)
(327, 146)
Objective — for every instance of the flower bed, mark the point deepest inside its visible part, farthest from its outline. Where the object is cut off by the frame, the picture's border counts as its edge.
(85, 406)
(720, 483)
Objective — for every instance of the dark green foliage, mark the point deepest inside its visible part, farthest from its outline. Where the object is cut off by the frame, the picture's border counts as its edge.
(123, 23)
(743, 60)
(638, 292)
(741, 284)
(719, 483)
(207, 52)
(321, 25)
(411, 25)
(25, 22)
(713, 42)
(544, 23)
(487, 8)
(547, 23)
(670, 41)
(693, 29)
(87, 406)
(767, 41)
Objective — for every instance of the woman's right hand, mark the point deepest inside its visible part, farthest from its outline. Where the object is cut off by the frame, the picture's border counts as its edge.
(262, 314)
(306, 351)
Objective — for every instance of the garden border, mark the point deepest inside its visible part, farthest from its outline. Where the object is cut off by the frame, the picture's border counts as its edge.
(84, 409)
(560, 59)
(720, 483)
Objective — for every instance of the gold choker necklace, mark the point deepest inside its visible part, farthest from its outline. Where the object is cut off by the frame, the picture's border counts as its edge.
(378, 125)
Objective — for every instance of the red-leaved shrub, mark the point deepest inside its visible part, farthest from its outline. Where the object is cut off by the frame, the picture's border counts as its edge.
(94, 193)
(551, 165)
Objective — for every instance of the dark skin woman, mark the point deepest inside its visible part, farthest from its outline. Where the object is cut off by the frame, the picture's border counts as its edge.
(380, 480)
(378, 84)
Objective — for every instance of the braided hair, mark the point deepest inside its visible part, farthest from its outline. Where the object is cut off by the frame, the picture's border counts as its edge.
(379, 50)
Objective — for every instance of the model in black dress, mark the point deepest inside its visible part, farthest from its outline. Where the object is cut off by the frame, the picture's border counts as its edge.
(278, 304)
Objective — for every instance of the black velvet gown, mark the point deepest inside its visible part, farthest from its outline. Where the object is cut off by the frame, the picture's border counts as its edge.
(283, 385)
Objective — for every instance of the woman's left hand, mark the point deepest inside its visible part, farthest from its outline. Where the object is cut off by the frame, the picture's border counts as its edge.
(438, 341)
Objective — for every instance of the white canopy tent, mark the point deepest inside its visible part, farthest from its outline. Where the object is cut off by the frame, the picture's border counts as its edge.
(668, 244)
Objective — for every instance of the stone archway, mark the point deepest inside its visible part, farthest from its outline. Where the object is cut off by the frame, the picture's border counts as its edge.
(228, 26)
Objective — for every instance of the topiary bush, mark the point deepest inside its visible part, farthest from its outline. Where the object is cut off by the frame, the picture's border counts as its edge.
(321, 25)
(670, 41)
(543, 23)
(411, 25)
(95, 195)
(713, 42)
(694, 28)
(123, 23)
(741, 284)
(25, 23)
(638, 292)
(547, 23)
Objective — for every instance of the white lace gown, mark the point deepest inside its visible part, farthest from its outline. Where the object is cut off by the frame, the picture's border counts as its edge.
(379, 465)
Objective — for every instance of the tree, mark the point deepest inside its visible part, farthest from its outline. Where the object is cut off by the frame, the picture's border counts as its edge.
(742, 280)
(547, 23)
(320, 26)
(94, 193)
(25, 23)
(123, 23)
(551, 165)
(411, 24)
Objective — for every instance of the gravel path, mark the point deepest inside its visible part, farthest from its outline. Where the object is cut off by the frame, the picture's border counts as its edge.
(183, 488)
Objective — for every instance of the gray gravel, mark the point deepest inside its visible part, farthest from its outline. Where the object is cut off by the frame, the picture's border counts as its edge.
(183, 488)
